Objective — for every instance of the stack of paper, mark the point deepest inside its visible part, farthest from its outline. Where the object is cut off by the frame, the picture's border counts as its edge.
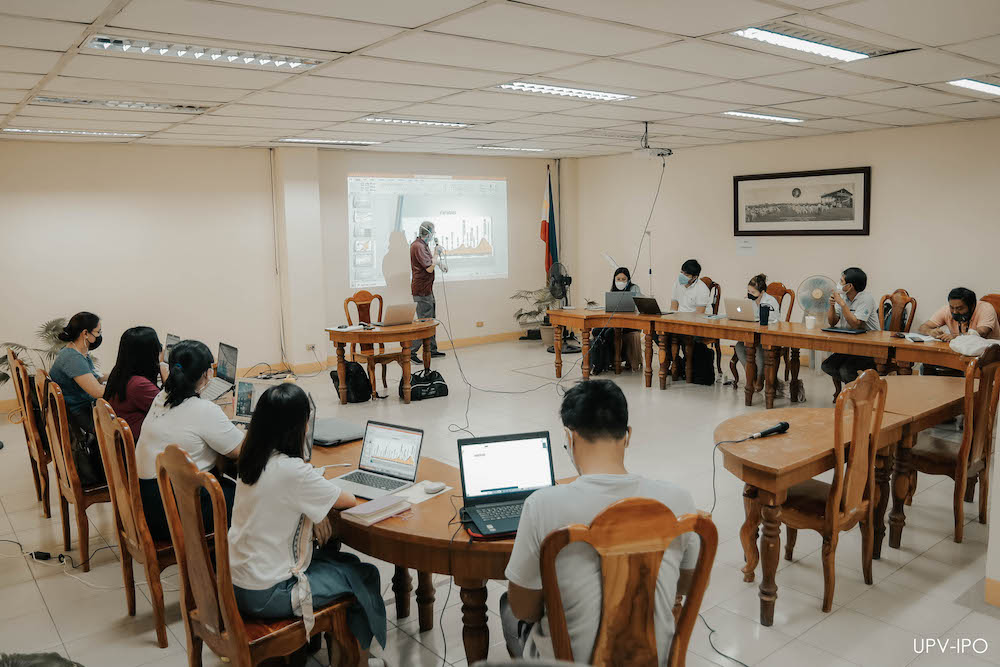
(374, 511)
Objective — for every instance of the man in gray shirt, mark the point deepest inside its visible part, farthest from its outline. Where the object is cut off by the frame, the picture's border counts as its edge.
(851, 307)
(595, 417)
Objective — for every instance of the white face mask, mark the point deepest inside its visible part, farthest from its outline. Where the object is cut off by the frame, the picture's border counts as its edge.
(621, 284)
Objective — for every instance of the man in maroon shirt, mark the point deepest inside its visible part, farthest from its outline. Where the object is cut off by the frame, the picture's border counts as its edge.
(422, 263)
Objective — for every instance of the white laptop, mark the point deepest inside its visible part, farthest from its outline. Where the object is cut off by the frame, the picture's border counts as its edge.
(740, 309)
(401, 313)
(248, 392)
(225, 374)
(172, 339)
(389, 458)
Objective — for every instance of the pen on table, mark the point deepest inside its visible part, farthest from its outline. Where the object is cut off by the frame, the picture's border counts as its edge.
(337, 465)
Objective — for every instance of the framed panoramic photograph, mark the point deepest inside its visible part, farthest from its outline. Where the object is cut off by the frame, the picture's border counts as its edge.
(829, 202)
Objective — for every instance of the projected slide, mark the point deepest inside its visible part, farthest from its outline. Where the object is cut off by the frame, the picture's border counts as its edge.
(469, 216)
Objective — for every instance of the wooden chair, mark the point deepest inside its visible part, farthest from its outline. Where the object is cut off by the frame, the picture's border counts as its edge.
(71, 490)
(900, 300)
(362, 301)
(779, 292)
(208, 604)
(134, 540)
(850, 499)
(969, 460)
(993, 300)
(38, 449)
(630, 536)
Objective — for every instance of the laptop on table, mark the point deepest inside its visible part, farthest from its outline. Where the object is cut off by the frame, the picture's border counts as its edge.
(498, 475)
(402, 313)
(172, 339)
(740, 310)
(389, 458)
(225, 374)
(619, 302)
(647, 305)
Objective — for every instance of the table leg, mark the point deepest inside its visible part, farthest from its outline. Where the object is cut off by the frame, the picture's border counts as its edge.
(883, 471)
(585, 353)
(796, 391)
(900, 489)
(342, 373)
(770, 376)
(675, 364)
(770, 547)
(401, 587)
(618, 351)
(557, 337)
(905, 367)
(475, 632)
(425, 600)
(664, 359)
(427, 354)
(689, 360)
(751, 382)
(406, 371)
(647, 350)
(749, 532)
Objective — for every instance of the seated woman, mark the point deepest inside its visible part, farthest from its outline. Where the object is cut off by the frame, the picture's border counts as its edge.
(179, 416)
(757, 293)
(602, 340)
(282, 503)
(134, 381)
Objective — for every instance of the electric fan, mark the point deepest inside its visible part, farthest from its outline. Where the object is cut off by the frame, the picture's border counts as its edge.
(813, 295)
(559, 282)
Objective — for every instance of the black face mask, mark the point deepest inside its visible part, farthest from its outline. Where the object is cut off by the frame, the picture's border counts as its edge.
(961, 317)
(97, 342)
(751, 296)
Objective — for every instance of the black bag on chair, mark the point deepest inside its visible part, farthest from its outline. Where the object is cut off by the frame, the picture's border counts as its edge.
(703, 364)
(86, 451)
(425, 384)
(359, 387)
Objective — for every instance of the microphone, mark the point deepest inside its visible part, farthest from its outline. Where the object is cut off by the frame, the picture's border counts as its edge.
(780, 427)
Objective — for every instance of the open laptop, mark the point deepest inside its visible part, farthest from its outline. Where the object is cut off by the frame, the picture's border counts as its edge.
(740, 310)
(172, 339)
(619, 302)
(307, 450)
(389, 458)
(225, 374)
(647, 305)
(401, 313)
(499, 473)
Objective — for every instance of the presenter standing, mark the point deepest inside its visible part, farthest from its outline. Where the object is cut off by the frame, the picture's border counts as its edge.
(422, 263)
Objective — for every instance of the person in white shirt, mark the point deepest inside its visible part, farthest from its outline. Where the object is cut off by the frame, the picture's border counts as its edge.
(282, 504)
(179, 416)
(757, 293)
(851, 307)
(595, 417)
(690, 294)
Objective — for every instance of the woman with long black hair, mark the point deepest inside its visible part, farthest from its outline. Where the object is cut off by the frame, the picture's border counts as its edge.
(135, 380)
(602, 340)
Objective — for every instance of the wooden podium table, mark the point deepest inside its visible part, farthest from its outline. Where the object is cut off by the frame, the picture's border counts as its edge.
(404, 334)
(584, 320)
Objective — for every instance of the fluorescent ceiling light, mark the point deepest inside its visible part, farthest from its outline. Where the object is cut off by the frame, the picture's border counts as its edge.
(131, 105)
(777, 39)
(761, 116)
(511, 148)
(411, 121)
(80, 133)
(335, 142)
(524, 87)
(185, 52)
(980, 86)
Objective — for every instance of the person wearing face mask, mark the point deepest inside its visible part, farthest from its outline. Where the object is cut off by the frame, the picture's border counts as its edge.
(179, 416)
(595, 417)
(690, 294)
(757, 293)
(602, 339)
(422, 263)
(851, 307)
(963, 315)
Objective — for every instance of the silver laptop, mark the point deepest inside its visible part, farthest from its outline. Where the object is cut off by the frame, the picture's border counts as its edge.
(740, 309)
(389, 458)
(401, 313)
(619, 302)
(172, 339)
(225, 374)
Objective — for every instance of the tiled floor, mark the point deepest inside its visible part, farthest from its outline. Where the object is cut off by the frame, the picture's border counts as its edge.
(931, 588)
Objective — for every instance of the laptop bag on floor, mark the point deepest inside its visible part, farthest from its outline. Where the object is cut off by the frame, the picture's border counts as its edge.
(359, 388)
(425, 384)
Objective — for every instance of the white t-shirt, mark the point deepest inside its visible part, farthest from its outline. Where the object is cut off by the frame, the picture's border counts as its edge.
(198, 426)
(689, 298)
(578, 566)
(267, 519)
(863, 308)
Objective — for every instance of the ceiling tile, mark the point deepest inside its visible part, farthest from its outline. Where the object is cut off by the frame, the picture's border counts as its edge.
(98, 113)
(38, 34)
(400, 92)
(132, 69)
(984, 49)
(833, 106)
(642, 77)
(812, 4)
(908, 97)
(6, 108)
(474, 53)
(747, 93)
(79, 11)
(967, 110)
(518, 24)
(786, 130)
(483, 132)
(290, 100)
(228, 138)
(399, 71)
(87, 124)
(12, 96)
(929, 22)
(823, 82)
(216, 21)
(363, 132)
(967, 93)
(921, 66)
(381, 129)
(716, 60)
(455, 113)
(224, 130)
(681, 17)
(529, 128)
(30, 61)
(388, 12)
(678, 104)
(732, 135)
(904, 117)
(845, 125)
(560, 120)
(618, 112)
(236, 121)
(518, 101)
(9, 80)
(68, 139)
(719, 123)
(255, 111)
(137, 90)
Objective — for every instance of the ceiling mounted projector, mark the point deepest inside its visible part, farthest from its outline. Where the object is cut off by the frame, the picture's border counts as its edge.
(650, 152)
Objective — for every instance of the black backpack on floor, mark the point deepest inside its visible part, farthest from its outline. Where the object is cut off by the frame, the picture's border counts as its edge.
(359, 388)
(425, 384)
(703, 365)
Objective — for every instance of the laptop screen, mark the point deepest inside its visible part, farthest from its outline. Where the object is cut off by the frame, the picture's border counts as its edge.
(227, 363)
(510, 464)
(307, 451)
(172, 339)
(391, 450)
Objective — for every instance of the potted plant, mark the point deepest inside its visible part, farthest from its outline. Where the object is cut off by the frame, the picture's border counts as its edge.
(49, 346)
(532, 316)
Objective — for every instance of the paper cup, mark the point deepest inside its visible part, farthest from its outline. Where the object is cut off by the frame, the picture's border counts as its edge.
(810, 321)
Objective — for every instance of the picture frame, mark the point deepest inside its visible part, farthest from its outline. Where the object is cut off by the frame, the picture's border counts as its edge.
(825, 202)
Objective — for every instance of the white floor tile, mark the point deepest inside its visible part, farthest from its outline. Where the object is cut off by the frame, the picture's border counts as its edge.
(794, 612)
(862, 640)
(800, 654)
(104, 610)
(932, 577)
(28, 633)
(735, 636)
(978, 627)
(20, 599)
(908, 609)
(806, 576)
(122, 646)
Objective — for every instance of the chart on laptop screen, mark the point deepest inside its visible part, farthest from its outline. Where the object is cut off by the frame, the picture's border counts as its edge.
(490, 468)
(391, 451)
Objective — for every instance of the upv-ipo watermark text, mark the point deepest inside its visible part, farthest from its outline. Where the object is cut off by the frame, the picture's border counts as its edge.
(954, 646)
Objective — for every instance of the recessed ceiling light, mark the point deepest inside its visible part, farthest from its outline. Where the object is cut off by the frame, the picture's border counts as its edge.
(785, 41)
(980, 86)
(411, 121)
(524, 87)
(511, 148)
(80, 133)
(132, 105)
(761, 116)
(191, 52)
(335, 142)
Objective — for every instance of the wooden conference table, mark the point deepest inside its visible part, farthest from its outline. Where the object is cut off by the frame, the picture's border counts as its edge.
(404, 334)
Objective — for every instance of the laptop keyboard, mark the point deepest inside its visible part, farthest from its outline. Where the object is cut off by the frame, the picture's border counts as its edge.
(215, 388)
(498, 512)
(376, 481)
